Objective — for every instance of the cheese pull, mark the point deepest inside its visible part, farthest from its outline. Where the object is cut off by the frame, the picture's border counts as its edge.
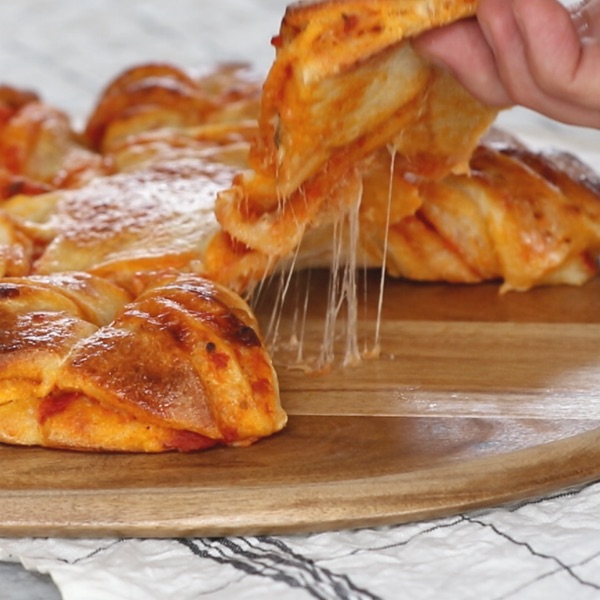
(522, 218)
(84, 367)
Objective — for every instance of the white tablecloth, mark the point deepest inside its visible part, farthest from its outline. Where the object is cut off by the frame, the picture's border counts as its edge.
(549, 548)
(544, 549)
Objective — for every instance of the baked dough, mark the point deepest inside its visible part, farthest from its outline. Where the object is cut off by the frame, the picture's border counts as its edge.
(111, 339)
(124, 250)
(346, 82)
(85, 367)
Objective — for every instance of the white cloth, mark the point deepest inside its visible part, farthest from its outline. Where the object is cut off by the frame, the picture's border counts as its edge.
(548, 548)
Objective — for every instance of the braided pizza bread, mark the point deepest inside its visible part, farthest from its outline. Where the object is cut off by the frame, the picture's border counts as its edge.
(179, 367)
(39, 150)
(123, 256)
(110, 337)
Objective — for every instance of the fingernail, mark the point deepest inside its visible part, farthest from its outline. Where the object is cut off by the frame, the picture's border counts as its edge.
(579, 19)
(586, 20)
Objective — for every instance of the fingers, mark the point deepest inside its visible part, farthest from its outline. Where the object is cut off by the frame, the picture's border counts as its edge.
(564, 57)
(535, 53)
(525, 53)
(463, 49)
(542, 61)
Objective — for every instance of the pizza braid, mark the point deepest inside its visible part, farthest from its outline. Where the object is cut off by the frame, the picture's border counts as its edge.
(40, 151)
(152, 97)
(83, 366)
(518, 217)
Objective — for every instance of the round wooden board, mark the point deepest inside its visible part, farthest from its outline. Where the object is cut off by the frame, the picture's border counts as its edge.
(477, 399)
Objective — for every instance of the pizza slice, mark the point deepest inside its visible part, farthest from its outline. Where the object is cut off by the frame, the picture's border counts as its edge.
(346, 82)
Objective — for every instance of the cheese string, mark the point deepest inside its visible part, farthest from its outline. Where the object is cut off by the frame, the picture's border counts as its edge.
(377, 342)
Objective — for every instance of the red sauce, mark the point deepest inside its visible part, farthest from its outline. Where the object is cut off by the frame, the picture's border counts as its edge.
(8, 290)
(188, 441)
(277, 41)
(220, 359)
(350, 23)
(261, 386)
(54, 405)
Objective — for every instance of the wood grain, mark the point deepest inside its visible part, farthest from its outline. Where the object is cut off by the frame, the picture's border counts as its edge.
(476, 400)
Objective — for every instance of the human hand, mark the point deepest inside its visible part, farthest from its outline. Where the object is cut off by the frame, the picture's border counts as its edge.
(534, 53)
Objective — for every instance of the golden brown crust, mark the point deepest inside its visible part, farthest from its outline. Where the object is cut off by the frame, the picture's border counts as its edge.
(41, 319)
(161, 224)
(516, 218)
(157, 217)
(181, 367)
(143, 97)
(39, 149)
(156, 96)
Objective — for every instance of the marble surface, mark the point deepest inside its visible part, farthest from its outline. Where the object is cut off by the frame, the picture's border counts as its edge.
(68, 50)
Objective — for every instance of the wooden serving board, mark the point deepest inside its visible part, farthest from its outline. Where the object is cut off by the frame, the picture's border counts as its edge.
(477, 399)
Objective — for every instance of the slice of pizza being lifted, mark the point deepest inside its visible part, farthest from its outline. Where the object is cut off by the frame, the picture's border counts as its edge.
(354, 124)
(345, 82)
(368, 155)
